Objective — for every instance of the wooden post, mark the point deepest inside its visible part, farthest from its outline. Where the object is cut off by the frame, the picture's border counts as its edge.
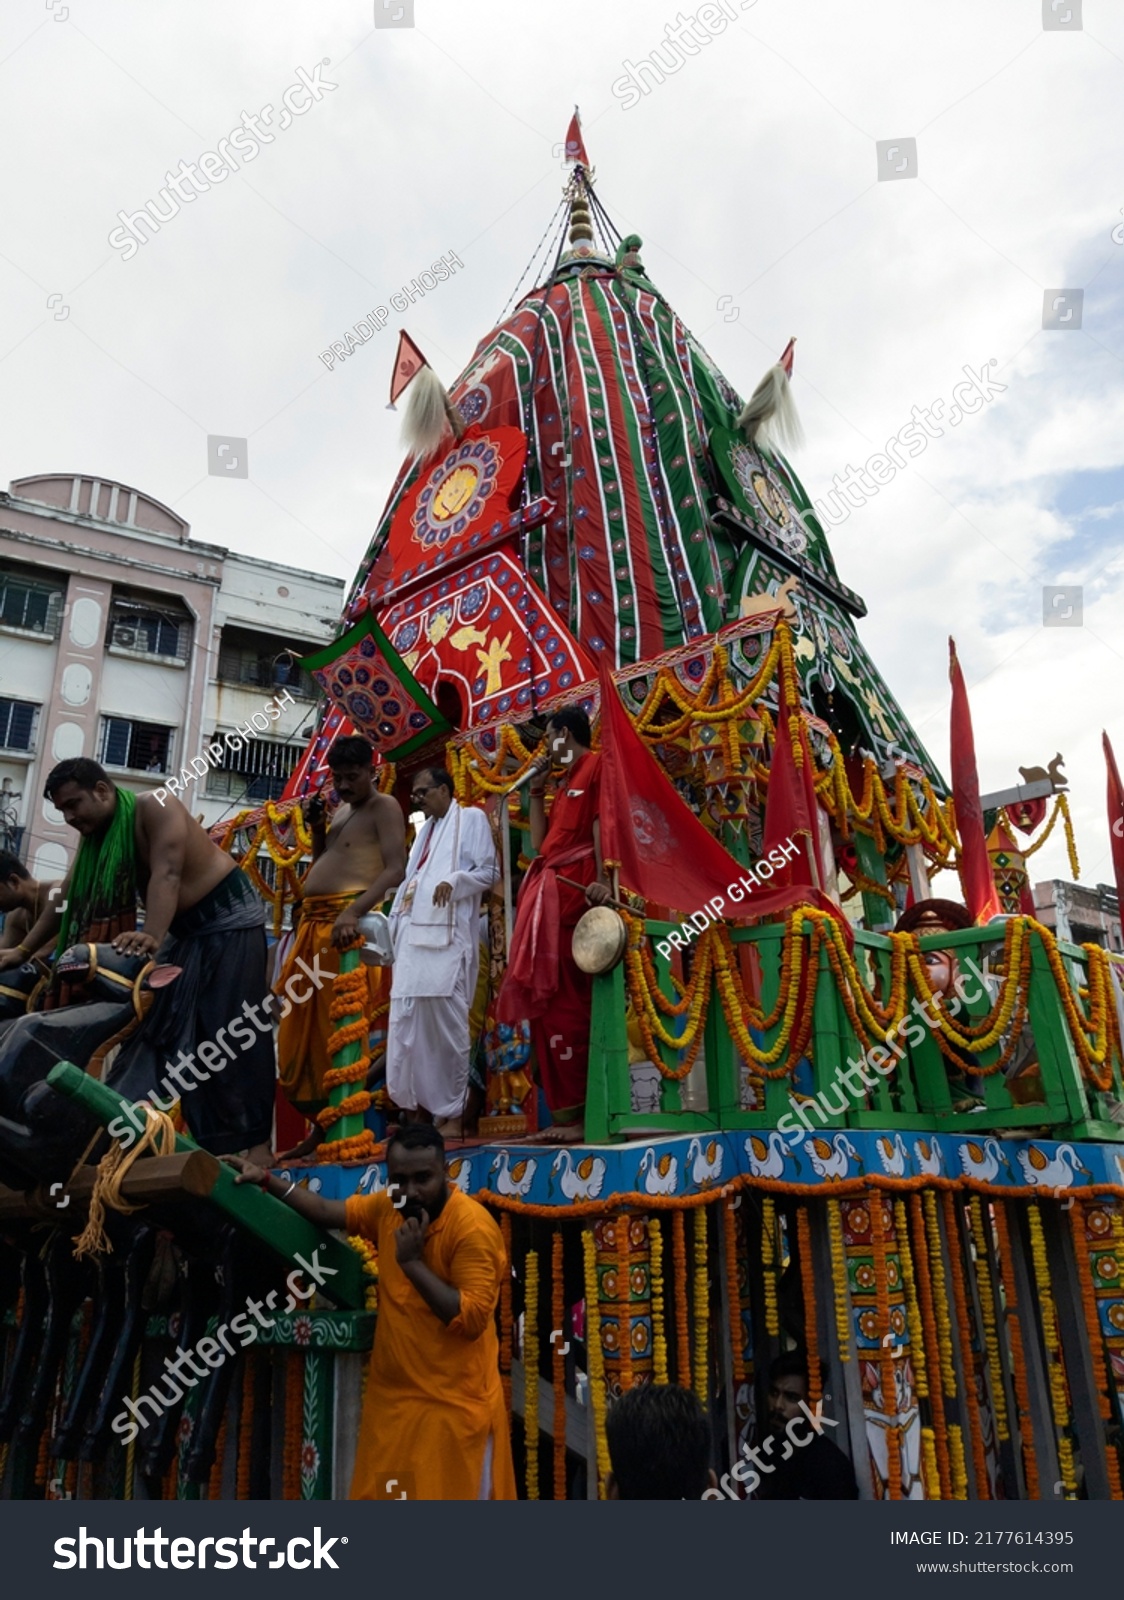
(505, 856)
(277, 1225)
(918, 872)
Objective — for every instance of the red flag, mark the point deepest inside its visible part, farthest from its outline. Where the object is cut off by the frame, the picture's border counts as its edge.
(976, 881)
(661, 848)
(791, 807)
(407, 364)
(1115, 817)
(786, 359)
(575, 144)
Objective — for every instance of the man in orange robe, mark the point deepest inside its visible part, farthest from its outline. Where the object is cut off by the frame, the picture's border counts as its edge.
(434, 1425)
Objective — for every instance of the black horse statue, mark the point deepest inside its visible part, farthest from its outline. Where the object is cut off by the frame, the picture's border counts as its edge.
(42, 1134)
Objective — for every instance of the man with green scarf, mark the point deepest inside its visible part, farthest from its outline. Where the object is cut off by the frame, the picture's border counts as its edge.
(202, 915)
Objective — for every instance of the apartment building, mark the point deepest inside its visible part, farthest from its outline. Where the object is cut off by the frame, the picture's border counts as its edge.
(1078, 914)
(123, 638)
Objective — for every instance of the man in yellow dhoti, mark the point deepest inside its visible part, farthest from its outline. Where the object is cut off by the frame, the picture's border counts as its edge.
(354, 867)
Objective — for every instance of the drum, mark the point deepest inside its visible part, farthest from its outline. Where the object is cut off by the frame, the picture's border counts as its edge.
(600, 939)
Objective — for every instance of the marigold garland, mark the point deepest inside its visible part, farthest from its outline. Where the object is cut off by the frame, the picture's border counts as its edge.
(1061, 809)
(987, 1314)
(293, 1425)
(958, 1469)
(768, 1268)
(958, 1461)
(1018, 1357)
(715, 957)
(730, 1230)
(840, 1287)
(531, 1372)
(808, 1282)
(702, 1309)
(356, 1147)
(967, 1353)
(370, 1259)
(595, 1355)
(352, 1105)
(350, 997)
(624, 1294)
(930, 1461)
(1077, 1217)
(679, 1261)
(1055, 1360)
(659, 1327)
(214, 1482)
(558, 1340)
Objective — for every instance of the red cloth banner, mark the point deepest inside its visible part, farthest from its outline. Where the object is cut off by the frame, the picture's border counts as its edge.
(1115, 817)
(980, 895)
(661, 848)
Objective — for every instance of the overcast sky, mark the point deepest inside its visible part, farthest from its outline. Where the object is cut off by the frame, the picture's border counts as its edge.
(752, 174)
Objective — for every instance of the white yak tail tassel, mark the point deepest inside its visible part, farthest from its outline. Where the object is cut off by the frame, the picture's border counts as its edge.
(431, 418)
(769, 417)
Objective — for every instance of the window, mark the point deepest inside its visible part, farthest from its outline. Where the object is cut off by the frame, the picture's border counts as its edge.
(29, 601)
(256, 773)
(143, 746)
(265, 661)
(17, 725)
(146, 625)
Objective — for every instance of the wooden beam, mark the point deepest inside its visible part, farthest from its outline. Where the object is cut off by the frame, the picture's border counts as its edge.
(189, 1173)
(278, 1226)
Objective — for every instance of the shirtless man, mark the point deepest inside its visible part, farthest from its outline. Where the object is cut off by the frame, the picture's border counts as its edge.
(21, 901)
(201, 914)
(355, 866)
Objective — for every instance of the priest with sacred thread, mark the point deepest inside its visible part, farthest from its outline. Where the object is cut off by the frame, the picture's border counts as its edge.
(435, 927)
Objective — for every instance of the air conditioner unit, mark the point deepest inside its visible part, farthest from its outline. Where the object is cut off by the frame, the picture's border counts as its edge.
(124, 637)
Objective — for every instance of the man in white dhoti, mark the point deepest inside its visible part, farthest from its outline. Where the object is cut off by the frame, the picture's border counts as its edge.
(435, 926)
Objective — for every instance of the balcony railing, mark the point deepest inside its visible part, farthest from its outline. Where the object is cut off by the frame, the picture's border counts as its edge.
(1034, 1046)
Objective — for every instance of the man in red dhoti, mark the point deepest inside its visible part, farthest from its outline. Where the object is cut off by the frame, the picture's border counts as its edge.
(542, 982)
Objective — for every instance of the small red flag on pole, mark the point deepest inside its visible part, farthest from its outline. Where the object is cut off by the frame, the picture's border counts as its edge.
(1115, 817)
(407, 364)
(976, 881)
(575, 145)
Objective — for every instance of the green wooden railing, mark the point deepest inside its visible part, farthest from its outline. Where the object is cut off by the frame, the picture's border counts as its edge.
(923, 1092)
